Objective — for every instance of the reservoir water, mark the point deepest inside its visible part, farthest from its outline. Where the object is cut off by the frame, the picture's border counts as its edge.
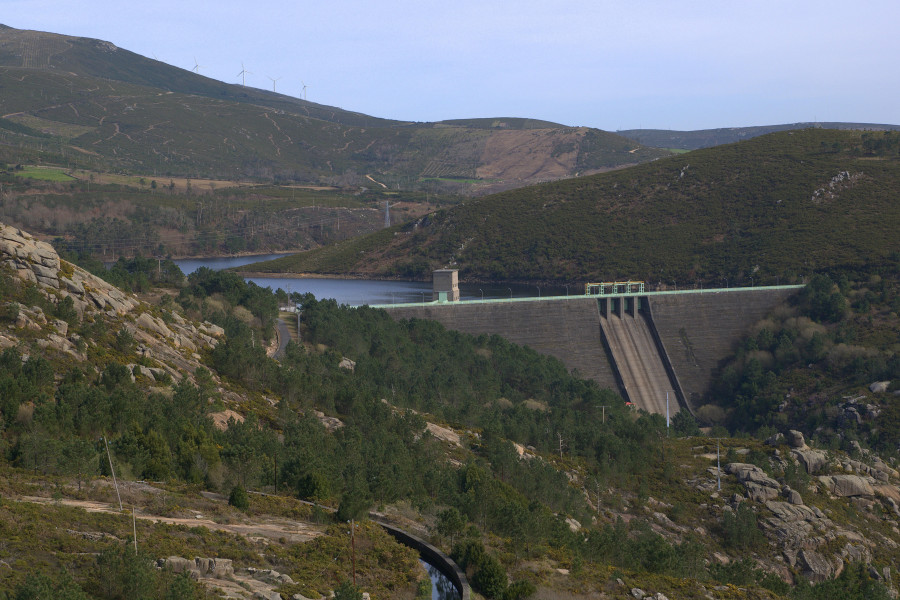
(356, 292)
(189, 265)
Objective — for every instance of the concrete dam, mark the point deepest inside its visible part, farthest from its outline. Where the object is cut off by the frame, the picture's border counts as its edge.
(645, 345)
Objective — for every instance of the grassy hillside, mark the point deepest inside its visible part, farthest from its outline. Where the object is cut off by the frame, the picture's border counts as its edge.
(101, 59)
(84, 102)
(769, 209)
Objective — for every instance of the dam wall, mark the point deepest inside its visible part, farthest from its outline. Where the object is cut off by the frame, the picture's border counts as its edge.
(674, 342)
(567, 328)
(699, 331)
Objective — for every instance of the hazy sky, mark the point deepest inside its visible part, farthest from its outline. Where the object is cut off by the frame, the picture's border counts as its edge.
(612, 64)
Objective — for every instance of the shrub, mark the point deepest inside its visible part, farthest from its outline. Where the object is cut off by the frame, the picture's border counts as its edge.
(39, 587)
(12, 311)
(347, 591)
(239, 498)
(313, 486)
(354, 505)
(685, 425)
(740, 529)
(519, 590)
(65, 310)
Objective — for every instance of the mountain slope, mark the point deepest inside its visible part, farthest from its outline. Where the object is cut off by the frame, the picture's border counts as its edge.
(705, 138)
(86, 102)
(777, 206)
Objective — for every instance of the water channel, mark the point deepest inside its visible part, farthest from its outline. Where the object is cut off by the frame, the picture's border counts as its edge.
(441, 587)
(356, 292)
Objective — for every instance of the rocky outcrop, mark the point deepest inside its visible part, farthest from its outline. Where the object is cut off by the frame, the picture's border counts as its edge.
(31, 259)
(847, 485)
(776, 439)
(879, 387)
(812, 460)
(760, 487)
(814, 566)
(166, 347)
(804, 531)
(37, 261)
(61, 344)
(215, 568)
(795, 439)
(150, 323)
(878, 470)
(270, 576)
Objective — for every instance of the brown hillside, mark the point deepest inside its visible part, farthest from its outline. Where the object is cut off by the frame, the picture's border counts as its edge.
(529, 155)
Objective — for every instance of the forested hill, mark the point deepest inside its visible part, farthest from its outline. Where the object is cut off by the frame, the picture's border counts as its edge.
(494, 453)
(705, 138)
(86, 103)
(773, 208)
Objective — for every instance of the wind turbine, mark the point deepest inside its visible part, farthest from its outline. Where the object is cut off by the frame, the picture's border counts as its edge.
(244, 72)
(304, 90)
(197, 66)
(273, 81)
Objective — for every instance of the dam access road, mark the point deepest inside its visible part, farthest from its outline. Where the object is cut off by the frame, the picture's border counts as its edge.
(643, 344)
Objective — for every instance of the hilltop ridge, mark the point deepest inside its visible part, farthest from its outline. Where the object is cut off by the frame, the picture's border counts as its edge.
(772, 208)
(106, 107)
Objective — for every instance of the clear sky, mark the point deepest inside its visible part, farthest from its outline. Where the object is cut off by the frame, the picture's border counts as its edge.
(612, 64)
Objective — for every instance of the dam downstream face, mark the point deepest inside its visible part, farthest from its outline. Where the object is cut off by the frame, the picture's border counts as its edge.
(636, 357)
(695, 332)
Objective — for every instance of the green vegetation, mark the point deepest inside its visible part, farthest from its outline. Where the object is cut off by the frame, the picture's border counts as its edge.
(43, 174)
(799, 366)
(770, 210)
(136, 274)
(157, 218)
(119, 574)
(498, 510)
(705, 138)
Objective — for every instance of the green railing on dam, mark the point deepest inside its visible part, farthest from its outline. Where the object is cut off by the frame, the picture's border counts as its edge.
(583, 296)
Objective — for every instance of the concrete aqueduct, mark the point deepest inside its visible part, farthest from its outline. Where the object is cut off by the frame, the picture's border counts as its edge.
(644, 344)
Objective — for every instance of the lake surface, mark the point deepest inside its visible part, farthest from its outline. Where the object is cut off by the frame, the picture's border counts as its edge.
(356, 292)
(189, 265)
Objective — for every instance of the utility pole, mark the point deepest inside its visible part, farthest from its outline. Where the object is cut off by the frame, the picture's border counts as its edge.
(603, 412)
(667, 413)
(353, 548)
(718, 467)
(111, 470)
